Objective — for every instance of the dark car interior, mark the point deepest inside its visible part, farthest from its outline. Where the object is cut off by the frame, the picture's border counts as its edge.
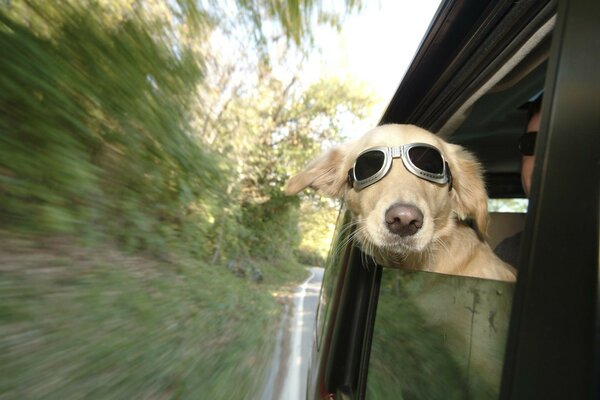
(494, 125)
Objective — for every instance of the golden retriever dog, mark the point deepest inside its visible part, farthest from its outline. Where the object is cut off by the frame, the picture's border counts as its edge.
(418, 202)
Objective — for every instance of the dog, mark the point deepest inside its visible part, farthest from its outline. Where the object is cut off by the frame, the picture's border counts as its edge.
(418, 202)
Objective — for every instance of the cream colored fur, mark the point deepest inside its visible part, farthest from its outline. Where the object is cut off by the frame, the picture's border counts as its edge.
(445, 243)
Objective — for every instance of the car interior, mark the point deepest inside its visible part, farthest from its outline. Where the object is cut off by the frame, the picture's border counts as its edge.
(491, 128)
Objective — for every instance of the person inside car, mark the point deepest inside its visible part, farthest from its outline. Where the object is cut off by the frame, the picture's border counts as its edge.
(508, 249)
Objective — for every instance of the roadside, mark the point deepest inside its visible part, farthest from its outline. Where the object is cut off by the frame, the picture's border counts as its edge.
(97, 323)
(290, 363)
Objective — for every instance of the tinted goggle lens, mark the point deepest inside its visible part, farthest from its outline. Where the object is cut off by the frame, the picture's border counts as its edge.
(426, 159)
(368, 164)
(527, 143)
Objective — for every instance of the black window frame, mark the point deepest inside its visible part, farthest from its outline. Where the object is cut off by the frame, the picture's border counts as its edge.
(551, 351)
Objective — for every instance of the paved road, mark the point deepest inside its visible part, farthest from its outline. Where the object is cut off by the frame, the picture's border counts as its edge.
(289, 368)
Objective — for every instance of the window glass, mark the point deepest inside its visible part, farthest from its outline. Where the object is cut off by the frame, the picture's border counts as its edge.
(438, 337)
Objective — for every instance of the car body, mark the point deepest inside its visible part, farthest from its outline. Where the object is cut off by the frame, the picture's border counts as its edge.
(479, 62)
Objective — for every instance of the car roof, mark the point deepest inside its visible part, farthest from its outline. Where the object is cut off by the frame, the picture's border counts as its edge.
(477, 67)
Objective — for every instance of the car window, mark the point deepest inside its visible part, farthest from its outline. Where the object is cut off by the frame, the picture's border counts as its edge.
(438, 337)
(514, 205)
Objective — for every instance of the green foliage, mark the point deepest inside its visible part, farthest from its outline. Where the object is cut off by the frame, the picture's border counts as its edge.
(276, 137)
(310, 257)
(96, 324)
(294, 17)
(100, 111)
(316, 224)
(273, 223)
(96, 141)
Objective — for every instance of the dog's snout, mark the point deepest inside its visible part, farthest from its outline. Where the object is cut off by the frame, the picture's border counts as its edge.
(403, 219)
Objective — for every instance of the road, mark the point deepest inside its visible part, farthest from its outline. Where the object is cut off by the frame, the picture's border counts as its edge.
(289, 367)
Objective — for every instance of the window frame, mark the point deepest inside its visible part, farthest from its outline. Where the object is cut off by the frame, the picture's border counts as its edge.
(552, 347)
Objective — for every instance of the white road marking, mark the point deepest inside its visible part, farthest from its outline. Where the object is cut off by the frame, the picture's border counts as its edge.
(291, 388)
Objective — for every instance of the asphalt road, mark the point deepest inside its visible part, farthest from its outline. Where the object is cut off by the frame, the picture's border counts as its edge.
(289, 367)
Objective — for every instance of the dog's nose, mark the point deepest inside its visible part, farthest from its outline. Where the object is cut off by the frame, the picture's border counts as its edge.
(403, 219)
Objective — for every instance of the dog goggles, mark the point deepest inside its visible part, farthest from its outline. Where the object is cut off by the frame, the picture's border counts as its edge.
(422, 160)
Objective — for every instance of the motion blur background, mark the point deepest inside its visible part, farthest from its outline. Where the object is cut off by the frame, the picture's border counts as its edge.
(146, 245)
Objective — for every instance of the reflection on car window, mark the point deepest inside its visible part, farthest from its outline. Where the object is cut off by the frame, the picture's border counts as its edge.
(438, 337)
(331, 274)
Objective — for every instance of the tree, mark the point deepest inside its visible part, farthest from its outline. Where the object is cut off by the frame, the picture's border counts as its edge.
(138, 128)
(269, 132)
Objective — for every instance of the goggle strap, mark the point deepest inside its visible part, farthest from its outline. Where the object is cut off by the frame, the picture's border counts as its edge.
(351, 177)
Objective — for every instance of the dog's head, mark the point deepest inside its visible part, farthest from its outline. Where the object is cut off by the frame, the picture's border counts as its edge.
(401, 213)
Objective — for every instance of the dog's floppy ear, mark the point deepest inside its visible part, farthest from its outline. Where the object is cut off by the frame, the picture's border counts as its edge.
(324, 173)
(470, 196)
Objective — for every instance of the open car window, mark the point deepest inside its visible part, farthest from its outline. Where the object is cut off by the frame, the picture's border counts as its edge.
(438, 337)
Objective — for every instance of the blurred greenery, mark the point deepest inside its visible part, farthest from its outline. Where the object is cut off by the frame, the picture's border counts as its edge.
(113, 126)
(94, 134)
(101, 324)
(144, 145)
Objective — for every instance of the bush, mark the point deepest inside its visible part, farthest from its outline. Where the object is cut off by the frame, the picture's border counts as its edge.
(310, 257)
(274, 232)
(94, 134)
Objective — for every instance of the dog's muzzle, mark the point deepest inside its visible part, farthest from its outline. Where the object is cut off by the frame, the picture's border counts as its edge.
(403, 219)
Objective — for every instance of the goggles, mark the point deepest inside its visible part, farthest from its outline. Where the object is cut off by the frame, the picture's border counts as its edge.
(422, 160)
(527, 143)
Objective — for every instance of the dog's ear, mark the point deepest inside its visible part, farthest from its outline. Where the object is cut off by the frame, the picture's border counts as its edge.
(469, 193)
(324, 173)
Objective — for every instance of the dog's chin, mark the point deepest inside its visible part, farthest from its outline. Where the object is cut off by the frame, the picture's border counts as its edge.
(389, 242)
(391, 250)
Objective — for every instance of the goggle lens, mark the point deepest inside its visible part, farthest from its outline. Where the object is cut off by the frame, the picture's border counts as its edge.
(368, 164)
(426, 159)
